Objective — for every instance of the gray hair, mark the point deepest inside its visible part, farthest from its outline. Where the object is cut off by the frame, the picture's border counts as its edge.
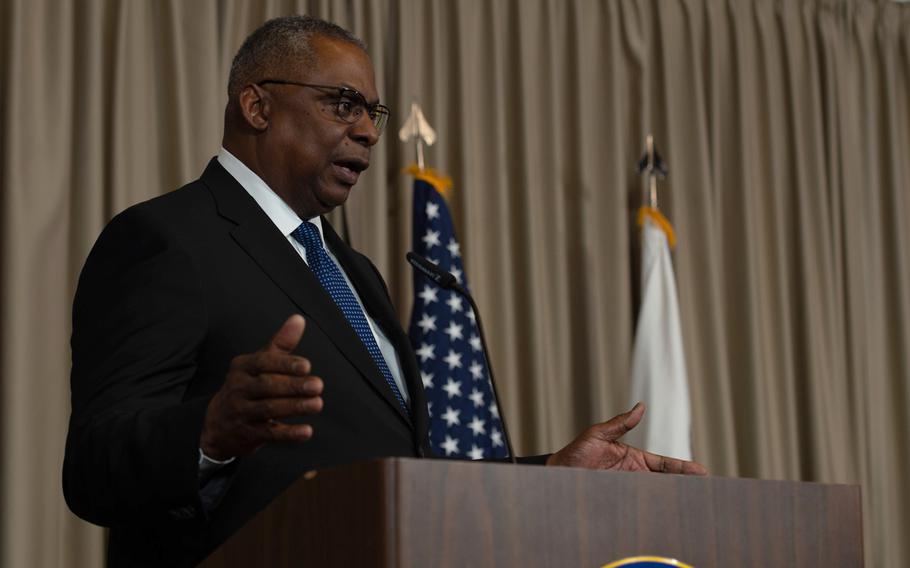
(266, 50)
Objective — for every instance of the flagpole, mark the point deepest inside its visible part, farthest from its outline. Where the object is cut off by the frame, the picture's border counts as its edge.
(419, 145)
(651, 177)
(654, 167)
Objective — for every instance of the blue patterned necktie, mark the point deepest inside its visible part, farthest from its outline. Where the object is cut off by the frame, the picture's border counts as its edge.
(333, 282)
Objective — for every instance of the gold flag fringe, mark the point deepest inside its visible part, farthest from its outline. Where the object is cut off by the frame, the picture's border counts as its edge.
(441, 182)
(660, 221)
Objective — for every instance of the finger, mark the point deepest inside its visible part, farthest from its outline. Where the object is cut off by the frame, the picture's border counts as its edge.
(273, 408)
(634, 416)
(663, 464)
(280, 432)
(273, 362)
(287, 338)
(284, 386)
(693, 468)
(614, 428)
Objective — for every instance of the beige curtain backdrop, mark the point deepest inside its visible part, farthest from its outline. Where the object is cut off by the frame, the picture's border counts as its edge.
(786, 125)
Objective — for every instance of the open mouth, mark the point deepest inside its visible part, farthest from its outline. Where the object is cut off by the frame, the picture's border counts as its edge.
(349, 170)
(353, 164)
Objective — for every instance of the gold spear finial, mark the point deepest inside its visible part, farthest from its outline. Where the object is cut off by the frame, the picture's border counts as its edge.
(416, 126)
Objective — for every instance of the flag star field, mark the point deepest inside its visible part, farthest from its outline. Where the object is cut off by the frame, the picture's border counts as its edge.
(464, 420)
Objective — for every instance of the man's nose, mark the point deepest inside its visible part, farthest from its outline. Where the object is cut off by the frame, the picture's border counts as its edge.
(364, 131)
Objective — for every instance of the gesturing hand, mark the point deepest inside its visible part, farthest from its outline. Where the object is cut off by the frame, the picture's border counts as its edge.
(598, 448)
(261, 388)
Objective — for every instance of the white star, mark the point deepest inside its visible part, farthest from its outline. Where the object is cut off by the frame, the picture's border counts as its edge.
(472, 317)
(496, 437)
(426, 352)
(476, 426)
(475, 342)
(432, 210)
(457, 274)
(453, 388)
(454, 302)
(428, 294)
(427, 323)
(451, 416)
(450, 446)
(475, 395)
(454, 331)
(454, 249)
(475, 453)
(476, 370)
(453, 359)
(494, 410)
(427, 379)
(431, 238)
(430, 409)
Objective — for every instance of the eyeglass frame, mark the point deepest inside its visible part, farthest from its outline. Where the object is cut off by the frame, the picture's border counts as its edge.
(355, 96)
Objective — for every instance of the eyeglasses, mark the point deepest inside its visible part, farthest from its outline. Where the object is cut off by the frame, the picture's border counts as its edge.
(348, 106)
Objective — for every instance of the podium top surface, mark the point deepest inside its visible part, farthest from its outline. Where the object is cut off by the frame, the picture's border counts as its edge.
(412, 512)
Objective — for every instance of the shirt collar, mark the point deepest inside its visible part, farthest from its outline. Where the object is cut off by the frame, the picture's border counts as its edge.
(270, 202)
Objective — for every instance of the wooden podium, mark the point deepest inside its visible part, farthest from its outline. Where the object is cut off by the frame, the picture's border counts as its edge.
(417, 513)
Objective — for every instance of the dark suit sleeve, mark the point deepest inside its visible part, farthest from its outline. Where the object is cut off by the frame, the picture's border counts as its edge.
(534, 460)
(138, 321)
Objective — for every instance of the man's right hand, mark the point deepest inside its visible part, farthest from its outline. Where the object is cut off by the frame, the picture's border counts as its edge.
(260, 389)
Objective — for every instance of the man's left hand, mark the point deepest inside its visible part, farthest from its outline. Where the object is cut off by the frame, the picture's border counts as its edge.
(599, 447)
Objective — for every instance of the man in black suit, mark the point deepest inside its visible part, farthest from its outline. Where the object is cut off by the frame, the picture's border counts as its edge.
(183, 423)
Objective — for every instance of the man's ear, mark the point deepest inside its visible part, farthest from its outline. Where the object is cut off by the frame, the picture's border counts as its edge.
(254, 106)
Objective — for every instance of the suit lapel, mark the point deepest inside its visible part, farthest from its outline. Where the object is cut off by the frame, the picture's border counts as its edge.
(257, 235)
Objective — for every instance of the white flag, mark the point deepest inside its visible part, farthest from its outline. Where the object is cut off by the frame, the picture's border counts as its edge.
(658, 363)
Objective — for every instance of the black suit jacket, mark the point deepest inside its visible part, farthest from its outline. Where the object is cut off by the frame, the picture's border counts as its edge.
(172, 290)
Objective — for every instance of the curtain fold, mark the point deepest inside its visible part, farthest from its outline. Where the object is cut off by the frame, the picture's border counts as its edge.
(785, 125)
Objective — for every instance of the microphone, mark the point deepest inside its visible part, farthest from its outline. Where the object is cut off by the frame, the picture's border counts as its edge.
(443, 279)
(447, 281)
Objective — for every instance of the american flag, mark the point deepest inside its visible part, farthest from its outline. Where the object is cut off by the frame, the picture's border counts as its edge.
(464, 419)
